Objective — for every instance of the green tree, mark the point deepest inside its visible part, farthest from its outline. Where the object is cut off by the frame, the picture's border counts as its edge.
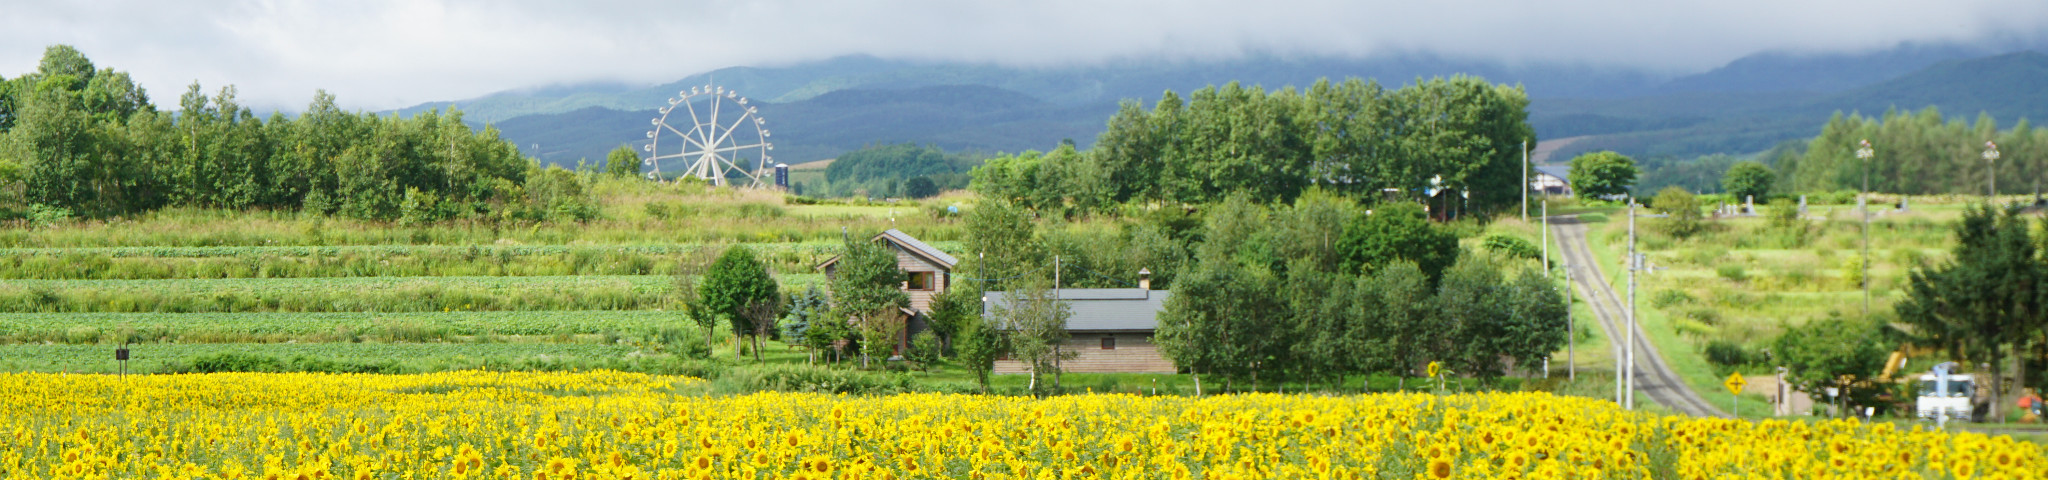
(1537, 324)
(1398, 329)
(924, 350)
(951, 311)
(1748, 179)
(1036, 323)
(807, 308)
(1682, 212)
(1472, 308)
(1600, 174)
(736, 283)
(865, 289)
(1220, 318)
(920, 187)
(1000, 236)
(1392, 232)
(1832, 352)
(622, 162)
(979, 344)
(1988, 295)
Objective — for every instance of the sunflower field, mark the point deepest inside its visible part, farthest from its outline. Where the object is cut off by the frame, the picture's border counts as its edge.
(609, 425)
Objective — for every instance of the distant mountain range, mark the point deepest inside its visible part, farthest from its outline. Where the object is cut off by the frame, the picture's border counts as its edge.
(820, 109)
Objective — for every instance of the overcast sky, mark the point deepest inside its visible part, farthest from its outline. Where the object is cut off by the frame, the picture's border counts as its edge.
(387, 54)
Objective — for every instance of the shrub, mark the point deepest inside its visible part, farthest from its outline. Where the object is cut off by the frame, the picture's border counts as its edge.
(924, 350)
(1732, 272)
(1668, 297)
(809, 378)
(45, 216)
(1511, 246)
(229, 362)
(1727, 354)
(1783, 213)
(1683, 212)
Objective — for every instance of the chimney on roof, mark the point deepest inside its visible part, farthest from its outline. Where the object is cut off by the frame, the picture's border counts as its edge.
(1144, 279)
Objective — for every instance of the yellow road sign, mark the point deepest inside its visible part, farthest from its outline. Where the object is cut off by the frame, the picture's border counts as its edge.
(1734, 383)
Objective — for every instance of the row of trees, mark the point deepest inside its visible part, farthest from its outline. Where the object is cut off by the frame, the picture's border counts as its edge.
(1323, 289)
(87, 139)
(1355, 138)
(1916, 153)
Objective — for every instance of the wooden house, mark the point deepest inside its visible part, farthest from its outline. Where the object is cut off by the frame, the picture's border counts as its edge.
(928, 273)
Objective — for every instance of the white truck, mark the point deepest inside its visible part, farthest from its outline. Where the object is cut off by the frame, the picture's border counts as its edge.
(1945, 396)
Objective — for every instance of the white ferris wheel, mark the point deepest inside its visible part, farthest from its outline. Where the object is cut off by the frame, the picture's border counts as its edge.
(714, 135)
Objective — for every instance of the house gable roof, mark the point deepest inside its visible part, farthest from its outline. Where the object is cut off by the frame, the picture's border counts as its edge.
(1562, 172)
(910, 244)
(1102, 309)
(920, 248)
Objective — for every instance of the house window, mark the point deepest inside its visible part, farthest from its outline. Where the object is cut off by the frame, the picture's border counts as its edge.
(920, 280)
(1109, 343)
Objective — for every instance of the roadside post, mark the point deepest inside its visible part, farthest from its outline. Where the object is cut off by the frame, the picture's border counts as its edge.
(1735, 384)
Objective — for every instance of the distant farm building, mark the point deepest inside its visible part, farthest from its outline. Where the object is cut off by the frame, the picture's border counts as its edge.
(1551, 180)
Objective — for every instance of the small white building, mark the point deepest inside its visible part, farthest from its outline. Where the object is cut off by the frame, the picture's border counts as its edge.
(1551, 179)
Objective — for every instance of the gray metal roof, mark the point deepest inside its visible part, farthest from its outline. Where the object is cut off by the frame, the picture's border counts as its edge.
(1562, 172)
(920, 247)
(1102, 309)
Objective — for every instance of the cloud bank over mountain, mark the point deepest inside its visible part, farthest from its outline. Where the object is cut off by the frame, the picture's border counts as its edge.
(387, 54)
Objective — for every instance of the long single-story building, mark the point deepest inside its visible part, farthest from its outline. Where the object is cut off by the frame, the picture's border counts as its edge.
(1110, 330)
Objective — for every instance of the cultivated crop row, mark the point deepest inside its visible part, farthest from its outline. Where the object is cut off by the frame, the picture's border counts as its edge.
(349, 294)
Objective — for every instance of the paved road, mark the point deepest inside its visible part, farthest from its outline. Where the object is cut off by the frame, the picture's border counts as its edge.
(1654, 379)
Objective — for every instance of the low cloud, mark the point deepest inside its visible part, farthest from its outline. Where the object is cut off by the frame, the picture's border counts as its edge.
(386, 54)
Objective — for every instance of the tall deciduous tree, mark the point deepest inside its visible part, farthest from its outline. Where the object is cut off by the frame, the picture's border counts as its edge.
(1601, 174)
(1748, 180)
(736, 284)
(866, 289)
(622, 162)
(1035, 321)
(1000, 237)
(979, 344)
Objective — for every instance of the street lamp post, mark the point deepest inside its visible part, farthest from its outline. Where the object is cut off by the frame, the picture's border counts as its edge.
(1990, 168)
(1865, 153)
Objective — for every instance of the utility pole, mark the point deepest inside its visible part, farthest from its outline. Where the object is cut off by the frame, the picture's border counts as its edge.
(1991, 168)
(1634, 263)
(1054, 311)
(1525, 181)
(1546, 238)
(1864, 152)
(1571, 329)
